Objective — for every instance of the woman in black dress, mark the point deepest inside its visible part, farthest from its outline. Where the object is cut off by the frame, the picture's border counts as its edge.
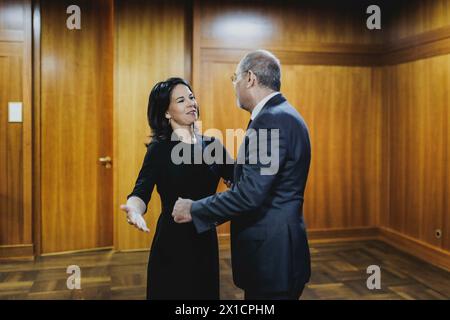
(182, 264)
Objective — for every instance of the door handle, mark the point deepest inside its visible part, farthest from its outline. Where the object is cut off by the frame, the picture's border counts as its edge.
(106, 161)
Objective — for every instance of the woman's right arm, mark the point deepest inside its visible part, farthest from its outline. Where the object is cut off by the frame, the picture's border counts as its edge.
(139, 198)
(146, 179)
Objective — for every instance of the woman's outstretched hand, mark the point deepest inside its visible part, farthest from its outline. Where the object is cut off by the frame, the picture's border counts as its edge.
(134, 217)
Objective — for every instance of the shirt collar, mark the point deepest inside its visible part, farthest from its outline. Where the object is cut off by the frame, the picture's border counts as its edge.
(257, 109)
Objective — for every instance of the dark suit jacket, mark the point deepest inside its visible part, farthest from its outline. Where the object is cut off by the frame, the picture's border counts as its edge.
(268, 238)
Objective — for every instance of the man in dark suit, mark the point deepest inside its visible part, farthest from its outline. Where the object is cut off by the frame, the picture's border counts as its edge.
(270, 253)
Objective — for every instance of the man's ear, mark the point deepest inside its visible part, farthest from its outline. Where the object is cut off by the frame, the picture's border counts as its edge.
(251, 79)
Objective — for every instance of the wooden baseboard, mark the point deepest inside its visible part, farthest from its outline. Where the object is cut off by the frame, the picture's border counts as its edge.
(132, 250)
(17, 252)
(342, 234)
(109, 248)
(325, 235)
(417, 248)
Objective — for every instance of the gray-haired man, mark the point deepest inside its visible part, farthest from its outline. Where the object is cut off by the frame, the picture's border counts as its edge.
(270, 253)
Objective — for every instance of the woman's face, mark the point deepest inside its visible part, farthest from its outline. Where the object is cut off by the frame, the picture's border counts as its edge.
(183, 110)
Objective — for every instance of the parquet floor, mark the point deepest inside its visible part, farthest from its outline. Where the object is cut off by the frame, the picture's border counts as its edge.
(339, 272)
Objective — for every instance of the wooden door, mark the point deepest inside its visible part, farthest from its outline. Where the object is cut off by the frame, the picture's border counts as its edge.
(76, 127)
(11, 193)
(15, 133)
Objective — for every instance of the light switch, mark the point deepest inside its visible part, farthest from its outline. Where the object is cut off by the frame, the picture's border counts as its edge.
(14, 111)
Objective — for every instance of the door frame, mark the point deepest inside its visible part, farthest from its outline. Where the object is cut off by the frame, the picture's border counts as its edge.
(36, 84)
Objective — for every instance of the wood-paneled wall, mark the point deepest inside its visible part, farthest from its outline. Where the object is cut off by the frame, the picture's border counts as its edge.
(412, 18)
(344, 185)
(76, 90)
(15, 138)
(152, 43)
(416, 103)
(269, 23)
(416, 30)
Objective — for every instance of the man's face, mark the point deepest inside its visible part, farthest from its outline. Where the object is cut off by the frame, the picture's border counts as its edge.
(239, 87)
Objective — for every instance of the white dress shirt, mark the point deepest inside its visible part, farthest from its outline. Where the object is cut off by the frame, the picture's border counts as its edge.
(261, 104)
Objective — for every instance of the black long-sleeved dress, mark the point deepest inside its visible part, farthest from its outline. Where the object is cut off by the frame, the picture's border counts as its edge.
(183, 264)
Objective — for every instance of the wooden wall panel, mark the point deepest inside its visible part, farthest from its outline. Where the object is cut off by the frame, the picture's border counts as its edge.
(285, 24)
(410, 18)
(150, 46)
(416, 30)
(76, 127)
(418, 105)
(313, 32)
(339, 106)
(15, 138)
(345, 125)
